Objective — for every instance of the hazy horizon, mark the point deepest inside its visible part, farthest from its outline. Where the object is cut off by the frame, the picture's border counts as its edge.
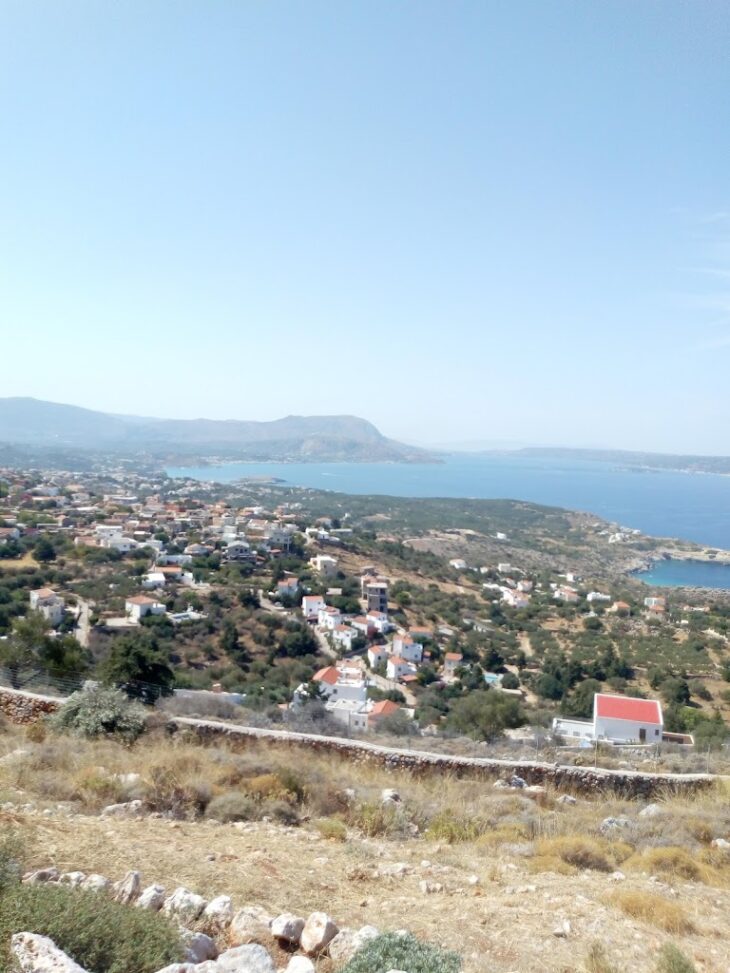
(468, 221)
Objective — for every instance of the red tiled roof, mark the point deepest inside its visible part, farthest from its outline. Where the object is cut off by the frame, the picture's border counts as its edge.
(329, 675)
(383, 708)
(628, 708)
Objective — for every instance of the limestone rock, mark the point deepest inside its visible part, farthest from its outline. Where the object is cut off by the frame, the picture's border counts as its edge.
(566, 799)
(218, 913)
(250, 958)
(96, 883)
(42, 875)
(287, 927)
(430, 888)
(152, 898)
(199, 947)
(389, 796)
(300, 964)
(74, 879)
(650, 811)
(249, 925)
(720, 843)
(38, 954)
(128, 889)
(129, 809)
(184, 905)
(319, 931)
(609, 825)
(347, 942)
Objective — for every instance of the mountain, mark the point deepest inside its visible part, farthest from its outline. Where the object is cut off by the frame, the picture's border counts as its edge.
(32, 422)
(681, 462)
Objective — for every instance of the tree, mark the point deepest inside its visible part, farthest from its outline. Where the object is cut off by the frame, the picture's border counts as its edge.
(137, 665)
(30, 648)
(44, 551)
(484, 714)
(510, 681)
(579, 704)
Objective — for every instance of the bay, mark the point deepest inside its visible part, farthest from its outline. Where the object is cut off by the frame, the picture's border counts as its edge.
(690, 506)
(674, 573)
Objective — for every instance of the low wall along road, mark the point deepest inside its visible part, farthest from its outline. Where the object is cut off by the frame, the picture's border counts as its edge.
(22, 707)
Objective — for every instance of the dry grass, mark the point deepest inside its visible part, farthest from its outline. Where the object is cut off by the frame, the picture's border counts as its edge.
(654, 910)
(465, 829)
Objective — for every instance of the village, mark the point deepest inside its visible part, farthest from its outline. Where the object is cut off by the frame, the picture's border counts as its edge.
(371, 659)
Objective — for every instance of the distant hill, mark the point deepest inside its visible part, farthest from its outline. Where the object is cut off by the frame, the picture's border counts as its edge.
(686, 463)
(45, 425)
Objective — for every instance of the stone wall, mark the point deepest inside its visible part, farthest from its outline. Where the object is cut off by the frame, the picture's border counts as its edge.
(578, 780)
(22, 707)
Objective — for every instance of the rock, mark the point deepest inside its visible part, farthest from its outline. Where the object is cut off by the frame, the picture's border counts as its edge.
(96, 883)
(42, 875)
(389, 796)
(128, 780)
(249, 925)
(347, 942)
(184, 905)
(319, 931)
(535, 789)
(562, 930)
(152, 898)
(250, 958)
(720, 843)
(394, 870)
(287, 927)
(129, 809)
(128, 889)
(199, 947)
(14, 755)
(207, 967)
(516, 781)
(300, 964)
(38, 954)
(650, 811)
(616, 877)
(566, 799)
(609, 825)
(74, 879)
(218, 913)
(430, 888)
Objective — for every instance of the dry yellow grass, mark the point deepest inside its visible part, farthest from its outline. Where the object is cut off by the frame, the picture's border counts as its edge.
(18, 564)
(655, 910)
(500, 900)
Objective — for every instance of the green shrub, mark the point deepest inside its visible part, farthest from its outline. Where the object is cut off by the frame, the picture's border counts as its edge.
(99, 934)
(391, 951)
(233, 806)
(99, 711)
(673, 960)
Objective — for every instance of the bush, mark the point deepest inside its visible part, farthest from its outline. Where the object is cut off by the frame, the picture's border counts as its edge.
(391, 951)
(654, 910)
(99, 934)
(234, 806)
(97, 711)
(673, 960)
(674, 862)
(453, 828)
(582, 852)
(331, 829)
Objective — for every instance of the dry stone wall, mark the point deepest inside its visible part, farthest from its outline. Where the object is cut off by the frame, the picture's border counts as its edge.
(578, 780)
(21, 707)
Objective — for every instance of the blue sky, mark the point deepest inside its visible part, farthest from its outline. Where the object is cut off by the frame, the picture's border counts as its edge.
(462, 220)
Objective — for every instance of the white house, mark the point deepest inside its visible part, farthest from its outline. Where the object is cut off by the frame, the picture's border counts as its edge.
(329, 617)
(452, 661)
(289, 586)
(153, 579)
(324, 564)
(595, 596)
(140, 605)
(398, 667)
(458, 564)
(48, 604)
(344, 635)
(376, 655)
(568, 595)
(342, 682)
(616, 719)
(407, 648)
(515, 599)
(379, 621)
(238, 549)
(311, 605)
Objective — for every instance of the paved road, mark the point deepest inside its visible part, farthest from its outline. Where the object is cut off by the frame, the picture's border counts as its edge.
(83, 622)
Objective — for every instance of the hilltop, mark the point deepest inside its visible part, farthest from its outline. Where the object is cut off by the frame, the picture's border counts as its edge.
(28, 422)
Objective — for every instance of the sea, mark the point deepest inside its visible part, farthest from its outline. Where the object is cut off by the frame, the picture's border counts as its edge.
(689, 506)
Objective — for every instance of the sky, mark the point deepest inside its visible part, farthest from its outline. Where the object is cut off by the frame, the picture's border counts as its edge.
(466, 220)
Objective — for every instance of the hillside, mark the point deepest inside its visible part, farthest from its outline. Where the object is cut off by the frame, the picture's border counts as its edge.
(54, 426)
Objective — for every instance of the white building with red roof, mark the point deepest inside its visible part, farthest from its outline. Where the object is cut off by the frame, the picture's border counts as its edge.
(616, 719)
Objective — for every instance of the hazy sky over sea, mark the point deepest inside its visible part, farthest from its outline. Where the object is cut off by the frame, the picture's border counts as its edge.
(462, 220)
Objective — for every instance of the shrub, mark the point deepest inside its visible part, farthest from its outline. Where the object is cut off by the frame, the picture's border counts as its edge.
(97, 711)
(581, 852)
(655, 910)
(280, 811)
(453, 828)
(169, 793)
(391, 951)
(233, 806)
(597, 961)
(99, 934)
(332, 829)
(376, 820)
(675, 862)
(673, 960)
